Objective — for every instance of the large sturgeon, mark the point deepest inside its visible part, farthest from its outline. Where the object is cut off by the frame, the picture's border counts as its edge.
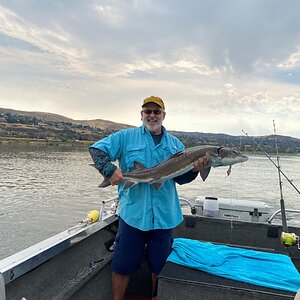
(179, 164)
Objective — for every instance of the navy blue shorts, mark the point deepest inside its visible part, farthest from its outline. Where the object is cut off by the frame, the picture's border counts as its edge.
(131, 245)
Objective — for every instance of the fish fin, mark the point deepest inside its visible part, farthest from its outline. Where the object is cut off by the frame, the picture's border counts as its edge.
(104, 183)
(176, 154)
(204, 173)
(128, 184)
(157, 185)
(138, 165)
(229, 170)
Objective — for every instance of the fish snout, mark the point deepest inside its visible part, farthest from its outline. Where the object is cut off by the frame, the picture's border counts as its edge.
(239, 156)
(231, 156)
(244, 158)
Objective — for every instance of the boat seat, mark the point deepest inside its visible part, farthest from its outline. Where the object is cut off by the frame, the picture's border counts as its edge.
(177, 282)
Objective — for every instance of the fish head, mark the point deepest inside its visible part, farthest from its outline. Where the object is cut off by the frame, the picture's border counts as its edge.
(225, 156)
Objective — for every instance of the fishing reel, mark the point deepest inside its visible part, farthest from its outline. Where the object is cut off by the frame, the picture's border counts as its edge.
(290, 239)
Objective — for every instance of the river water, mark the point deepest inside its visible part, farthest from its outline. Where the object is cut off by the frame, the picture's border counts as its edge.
(47, 189)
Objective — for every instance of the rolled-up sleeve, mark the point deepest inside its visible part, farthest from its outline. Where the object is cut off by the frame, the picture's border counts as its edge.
(102, 162)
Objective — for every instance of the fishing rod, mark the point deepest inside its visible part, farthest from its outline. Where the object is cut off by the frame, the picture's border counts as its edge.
(272, 161)
(288, 239)
(282, 205)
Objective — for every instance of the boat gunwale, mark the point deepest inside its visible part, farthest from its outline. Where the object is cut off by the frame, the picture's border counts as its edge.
(16, 265)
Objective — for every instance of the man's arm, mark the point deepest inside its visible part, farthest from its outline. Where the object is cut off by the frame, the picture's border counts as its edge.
(186, 177)
(106, 168)
(102, 162)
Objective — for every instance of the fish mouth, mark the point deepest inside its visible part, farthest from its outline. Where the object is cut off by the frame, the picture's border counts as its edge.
(231, 161)
(244, 158)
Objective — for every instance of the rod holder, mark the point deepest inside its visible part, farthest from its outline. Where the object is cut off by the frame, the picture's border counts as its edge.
(289, 239)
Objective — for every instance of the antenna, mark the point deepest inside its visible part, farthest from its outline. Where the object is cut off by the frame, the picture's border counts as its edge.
(282, 206)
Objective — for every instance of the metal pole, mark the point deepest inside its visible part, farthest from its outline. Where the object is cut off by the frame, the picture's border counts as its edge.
(2, 287)
(282, 206)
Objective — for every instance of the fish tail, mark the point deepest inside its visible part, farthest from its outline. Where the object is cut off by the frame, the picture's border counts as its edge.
(104, 183)
(128, 184)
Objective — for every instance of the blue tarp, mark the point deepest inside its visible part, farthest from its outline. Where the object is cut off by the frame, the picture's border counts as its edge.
(255, 267)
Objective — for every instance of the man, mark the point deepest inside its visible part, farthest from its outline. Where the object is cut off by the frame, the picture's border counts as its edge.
(146, 215)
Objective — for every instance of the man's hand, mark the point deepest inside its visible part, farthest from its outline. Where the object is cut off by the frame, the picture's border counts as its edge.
(201, 163)
(116, 177)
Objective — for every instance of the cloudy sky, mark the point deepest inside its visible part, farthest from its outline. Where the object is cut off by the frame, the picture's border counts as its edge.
(220, 66)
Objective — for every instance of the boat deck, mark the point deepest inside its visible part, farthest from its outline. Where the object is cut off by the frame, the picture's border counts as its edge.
(179, 282)
(131, 296)
(87, 257)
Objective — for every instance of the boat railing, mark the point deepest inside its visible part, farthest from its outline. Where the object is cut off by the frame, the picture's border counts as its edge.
(113, 208)
(279, 212)
(192, 207)
(22, 262)
(2, 287)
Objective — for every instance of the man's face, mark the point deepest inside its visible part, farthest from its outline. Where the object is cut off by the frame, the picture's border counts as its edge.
(152, 117)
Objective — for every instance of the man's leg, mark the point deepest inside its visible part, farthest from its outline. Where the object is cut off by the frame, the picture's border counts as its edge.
(159, 246)
(128, 252)
(154, 286)
(119, 285)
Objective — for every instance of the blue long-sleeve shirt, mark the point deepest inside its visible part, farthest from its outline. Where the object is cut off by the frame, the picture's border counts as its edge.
(142, 206)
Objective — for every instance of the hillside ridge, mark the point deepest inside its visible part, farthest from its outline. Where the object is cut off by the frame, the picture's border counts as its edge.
(52, 117)
(17, 124)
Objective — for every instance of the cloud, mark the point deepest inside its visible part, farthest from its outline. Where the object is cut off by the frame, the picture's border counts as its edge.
(220, 65)
(52, 43)
(292, 61)
(111, 15)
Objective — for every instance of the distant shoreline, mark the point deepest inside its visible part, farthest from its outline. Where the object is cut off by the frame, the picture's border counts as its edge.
(43, 142)
(49, 130)
(84, 144)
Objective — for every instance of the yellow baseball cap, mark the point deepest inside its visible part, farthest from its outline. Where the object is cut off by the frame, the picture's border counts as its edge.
(155, 100)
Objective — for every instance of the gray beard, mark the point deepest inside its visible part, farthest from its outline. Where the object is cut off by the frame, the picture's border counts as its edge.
(153, 128)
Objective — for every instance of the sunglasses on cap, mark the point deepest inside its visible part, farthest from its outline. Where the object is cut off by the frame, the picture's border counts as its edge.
(149, 111)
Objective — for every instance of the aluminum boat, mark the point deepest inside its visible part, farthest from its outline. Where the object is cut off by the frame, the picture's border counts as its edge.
(75, 264)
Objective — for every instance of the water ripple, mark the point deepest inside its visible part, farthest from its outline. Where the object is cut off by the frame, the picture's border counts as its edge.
(46, 190)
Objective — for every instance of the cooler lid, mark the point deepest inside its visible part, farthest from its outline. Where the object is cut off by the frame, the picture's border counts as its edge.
(236, 204)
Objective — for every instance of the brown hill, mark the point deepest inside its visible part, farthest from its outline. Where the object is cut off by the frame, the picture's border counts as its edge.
(49, 126)
(103, 124)
(98, 123)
